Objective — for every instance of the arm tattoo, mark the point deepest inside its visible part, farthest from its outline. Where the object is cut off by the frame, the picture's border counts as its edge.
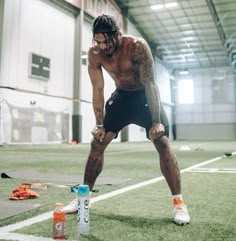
(144, 72)
(98, 115)
(142, 58)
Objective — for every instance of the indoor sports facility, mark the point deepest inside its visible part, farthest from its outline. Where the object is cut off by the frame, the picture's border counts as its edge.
(47, 115)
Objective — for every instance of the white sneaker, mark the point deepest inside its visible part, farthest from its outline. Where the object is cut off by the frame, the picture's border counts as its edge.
(180, 212)
(72, 207)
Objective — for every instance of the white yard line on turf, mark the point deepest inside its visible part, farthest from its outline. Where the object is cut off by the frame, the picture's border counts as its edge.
(27, 222)
(22, 237)
(148, 182)
(214, 170)
(4, 231)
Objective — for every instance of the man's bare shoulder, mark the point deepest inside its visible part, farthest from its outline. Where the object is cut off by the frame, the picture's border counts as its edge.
(138, 47)
(94, 51)
(133, 40)
(94, 56)
(135, 46)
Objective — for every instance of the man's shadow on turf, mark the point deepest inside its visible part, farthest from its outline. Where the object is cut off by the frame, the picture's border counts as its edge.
(132, 221)
(135, 221)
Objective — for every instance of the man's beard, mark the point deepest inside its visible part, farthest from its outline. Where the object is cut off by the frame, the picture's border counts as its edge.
(114, 46)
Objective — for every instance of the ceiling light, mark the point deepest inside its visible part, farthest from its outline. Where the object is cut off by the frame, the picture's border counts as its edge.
(157, 7)
(166, 5)
(183, 72)
(189, 38)
(171, 5)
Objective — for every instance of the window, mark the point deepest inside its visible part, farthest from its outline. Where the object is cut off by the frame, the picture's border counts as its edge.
(185, 91)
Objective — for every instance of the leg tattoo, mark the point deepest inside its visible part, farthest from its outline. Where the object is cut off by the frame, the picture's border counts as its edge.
(169, 165)
(95, 160)
(92, 170)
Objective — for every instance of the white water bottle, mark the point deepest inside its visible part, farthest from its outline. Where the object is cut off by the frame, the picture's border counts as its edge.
(83, 210)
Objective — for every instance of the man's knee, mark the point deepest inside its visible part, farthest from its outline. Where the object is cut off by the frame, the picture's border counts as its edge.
(97, 145)
(162, 143)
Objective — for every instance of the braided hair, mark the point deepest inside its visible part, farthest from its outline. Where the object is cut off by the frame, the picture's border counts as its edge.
(106, 25)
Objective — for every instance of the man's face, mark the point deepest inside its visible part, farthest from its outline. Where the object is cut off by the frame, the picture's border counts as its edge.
(108, 44)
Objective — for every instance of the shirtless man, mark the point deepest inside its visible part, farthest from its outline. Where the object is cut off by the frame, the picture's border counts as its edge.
(129, 62)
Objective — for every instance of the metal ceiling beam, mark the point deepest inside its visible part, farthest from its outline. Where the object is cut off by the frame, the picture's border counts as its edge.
(125, 12)
(217, 21)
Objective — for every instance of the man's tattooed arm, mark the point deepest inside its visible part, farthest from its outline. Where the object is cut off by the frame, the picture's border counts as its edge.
(143, 59)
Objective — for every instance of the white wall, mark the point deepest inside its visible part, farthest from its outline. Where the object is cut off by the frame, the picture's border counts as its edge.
(212, 115)
(34, 26)
(131, 29)
(1, 25)
(88, 120)
(44, 29)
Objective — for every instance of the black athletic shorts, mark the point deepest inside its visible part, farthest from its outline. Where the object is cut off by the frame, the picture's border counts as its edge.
(130, 107)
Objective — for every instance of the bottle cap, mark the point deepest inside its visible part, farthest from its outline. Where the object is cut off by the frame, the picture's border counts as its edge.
(83, 190)
(59, 204)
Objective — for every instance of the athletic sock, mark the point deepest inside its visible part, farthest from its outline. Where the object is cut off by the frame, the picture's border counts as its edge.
(178, 196)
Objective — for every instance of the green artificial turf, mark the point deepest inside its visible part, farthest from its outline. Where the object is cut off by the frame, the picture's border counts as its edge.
(143, 214)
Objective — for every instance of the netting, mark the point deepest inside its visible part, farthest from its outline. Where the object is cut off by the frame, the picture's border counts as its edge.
(32, 125)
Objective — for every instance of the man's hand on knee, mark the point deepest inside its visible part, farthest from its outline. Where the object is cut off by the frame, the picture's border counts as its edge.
(157, 130)
(99, 133)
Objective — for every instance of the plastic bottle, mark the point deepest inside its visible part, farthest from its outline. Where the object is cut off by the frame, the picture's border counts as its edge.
(83, 223)
(59, 222)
